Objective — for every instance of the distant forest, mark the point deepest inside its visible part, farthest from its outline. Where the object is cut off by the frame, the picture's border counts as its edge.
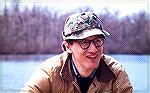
(38, 31)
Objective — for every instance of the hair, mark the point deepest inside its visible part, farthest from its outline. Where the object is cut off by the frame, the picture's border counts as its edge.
(102, 36)
(70, 41)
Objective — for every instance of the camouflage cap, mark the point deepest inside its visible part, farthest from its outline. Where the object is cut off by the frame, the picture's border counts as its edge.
(82, 25)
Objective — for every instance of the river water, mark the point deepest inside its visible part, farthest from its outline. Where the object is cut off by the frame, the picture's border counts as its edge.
(15, 73)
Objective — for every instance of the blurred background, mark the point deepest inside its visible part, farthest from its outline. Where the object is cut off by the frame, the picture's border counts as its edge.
(30, 32)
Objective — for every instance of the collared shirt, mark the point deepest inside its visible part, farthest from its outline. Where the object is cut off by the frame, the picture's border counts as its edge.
(83, 82)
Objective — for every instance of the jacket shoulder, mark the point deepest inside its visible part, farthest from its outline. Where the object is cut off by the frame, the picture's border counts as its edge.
(113, 64)
(122, 83)
(54, 62)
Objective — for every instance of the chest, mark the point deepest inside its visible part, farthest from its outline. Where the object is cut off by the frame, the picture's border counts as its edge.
(64, 86)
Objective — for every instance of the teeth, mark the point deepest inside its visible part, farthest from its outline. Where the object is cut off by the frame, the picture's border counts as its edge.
(91, 56)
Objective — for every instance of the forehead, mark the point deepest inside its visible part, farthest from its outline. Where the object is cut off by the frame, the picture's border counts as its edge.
(93, 37)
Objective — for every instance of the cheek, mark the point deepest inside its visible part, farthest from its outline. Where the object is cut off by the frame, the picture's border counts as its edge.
(100, 52)
(78, 53)
(102, 49)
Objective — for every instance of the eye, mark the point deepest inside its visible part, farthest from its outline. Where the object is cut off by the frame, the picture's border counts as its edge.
(84, 43)
(98, 42)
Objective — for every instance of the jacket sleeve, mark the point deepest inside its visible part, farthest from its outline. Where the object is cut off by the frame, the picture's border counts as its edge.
(122, 83)
(38, 83)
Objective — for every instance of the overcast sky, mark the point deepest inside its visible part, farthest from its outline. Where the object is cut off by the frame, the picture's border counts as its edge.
(126, 7)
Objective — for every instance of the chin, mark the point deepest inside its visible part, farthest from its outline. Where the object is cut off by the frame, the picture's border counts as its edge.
(93, 65)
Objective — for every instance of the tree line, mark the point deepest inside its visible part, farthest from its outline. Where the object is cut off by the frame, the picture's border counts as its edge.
(38, 31)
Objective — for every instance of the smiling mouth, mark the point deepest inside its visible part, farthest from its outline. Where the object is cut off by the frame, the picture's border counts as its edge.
(92, 56)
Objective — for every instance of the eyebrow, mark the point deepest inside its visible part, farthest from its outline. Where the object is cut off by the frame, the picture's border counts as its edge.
(94, 38)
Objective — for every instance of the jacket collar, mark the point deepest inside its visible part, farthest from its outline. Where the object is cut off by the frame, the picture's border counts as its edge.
(103, 72)
(66, 71)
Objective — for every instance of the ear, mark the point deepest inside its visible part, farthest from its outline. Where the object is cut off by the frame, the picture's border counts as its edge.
(66, 47)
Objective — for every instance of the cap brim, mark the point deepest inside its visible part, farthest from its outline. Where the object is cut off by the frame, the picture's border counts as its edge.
(88, 33)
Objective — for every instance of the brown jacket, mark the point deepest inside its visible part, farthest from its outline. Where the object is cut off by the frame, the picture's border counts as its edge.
(55, 76)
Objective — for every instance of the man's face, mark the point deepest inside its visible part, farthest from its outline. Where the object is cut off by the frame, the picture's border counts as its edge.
(87, 57)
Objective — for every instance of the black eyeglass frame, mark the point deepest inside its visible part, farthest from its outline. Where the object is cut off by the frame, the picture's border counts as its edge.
(88, 42)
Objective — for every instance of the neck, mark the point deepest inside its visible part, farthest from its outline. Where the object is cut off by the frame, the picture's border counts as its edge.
(83, 71)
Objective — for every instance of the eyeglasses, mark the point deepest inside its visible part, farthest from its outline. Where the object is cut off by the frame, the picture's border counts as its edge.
(85, 44)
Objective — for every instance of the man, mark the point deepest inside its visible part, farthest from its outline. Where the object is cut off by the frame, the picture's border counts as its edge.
(82, 67)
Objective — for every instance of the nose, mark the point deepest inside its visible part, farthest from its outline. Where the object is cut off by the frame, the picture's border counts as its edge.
(92, 48)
